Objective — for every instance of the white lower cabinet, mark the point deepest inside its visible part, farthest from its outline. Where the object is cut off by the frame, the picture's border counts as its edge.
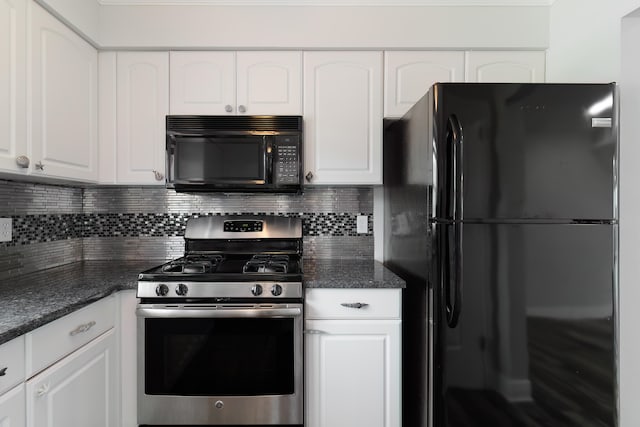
(352, 358)
(12, 408)
(78, 391)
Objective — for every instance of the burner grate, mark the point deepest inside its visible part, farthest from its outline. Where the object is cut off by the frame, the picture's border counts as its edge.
(267, 264)
(194, 264)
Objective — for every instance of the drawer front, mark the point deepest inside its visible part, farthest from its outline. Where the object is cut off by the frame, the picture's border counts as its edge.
(51, 342)
(352, 303)
(12, 370)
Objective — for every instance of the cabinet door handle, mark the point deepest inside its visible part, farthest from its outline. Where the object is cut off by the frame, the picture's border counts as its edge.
(228, 108)
(22, 162)
(158, 175)
(314, 332)
(39, 166)
(309, 176)
(44, 389)
(3, 371)
(242, 109)
(357, 305)
(82, 328)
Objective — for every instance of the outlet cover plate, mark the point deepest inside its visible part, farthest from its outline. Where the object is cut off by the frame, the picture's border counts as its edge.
(362, 224)
(6, 227)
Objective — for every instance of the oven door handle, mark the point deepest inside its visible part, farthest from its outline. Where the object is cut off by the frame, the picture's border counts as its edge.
(207, 312)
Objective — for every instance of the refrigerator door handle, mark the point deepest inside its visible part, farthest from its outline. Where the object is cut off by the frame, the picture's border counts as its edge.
(456, 140)
(454, 307)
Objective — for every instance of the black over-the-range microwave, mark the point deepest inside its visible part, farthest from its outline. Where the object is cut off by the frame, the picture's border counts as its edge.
(234, 153)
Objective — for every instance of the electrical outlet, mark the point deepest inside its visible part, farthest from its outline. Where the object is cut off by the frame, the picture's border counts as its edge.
(6, 226)
(362, 224)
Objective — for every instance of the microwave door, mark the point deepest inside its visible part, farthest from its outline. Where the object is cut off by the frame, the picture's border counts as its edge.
(219, 160)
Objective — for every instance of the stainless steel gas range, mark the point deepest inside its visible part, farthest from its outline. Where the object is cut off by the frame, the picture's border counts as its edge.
(220, 329)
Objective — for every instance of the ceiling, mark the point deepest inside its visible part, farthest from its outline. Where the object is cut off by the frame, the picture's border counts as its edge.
(333, 2)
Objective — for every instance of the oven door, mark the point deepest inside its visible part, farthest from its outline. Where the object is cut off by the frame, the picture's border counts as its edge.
(237, 364)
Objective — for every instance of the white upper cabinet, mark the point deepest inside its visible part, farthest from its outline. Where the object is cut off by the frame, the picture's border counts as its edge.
(202, 83)
(142, 104)
(252, 83)
(409, 74)
(13, 140)
(343, 117)
(64, 101)
(505, 67)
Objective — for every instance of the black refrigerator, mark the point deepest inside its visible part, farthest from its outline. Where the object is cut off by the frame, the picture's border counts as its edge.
(500, 212)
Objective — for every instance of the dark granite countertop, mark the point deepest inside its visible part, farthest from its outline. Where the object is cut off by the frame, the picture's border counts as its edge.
(33, 300)
(348, 273)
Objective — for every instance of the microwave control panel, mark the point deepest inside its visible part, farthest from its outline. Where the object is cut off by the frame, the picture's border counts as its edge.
(287, 162)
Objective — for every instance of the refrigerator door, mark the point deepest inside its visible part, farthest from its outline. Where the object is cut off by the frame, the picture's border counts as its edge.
(525, 151)
(533, 344)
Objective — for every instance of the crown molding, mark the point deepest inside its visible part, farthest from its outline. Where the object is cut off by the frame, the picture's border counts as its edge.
(326, 2)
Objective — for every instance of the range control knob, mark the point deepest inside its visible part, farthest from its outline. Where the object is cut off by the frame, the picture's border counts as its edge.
(162, 290)
(276, 290)
(182, 289)
(256, 290)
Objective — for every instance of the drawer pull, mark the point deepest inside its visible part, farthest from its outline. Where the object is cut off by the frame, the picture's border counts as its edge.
(3, 371)
(44, 389)
(354, 304)
(82, 328)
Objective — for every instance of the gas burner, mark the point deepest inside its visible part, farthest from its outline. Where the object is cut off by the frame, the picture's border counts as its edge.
(267, 264)
(194, 264)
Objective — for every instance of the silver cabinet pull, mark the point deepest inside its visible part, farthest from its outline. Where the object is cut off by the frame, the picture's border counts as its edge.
(314, 332)
(3, 371)
(228, 108)
(309, 176)
(39, 166)
(22, 162)
(242, 109)
(158, 175)
(44, 389)
(354, 304)
(82, 328)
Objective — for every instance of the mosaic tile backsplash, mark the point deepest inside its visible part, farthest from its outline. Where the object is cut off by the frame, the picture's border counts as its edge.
(53, 224)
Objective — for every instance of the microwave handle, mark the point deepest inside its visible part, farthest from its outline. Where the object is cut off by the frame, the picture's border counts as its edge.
(170, 157)
(268, 160)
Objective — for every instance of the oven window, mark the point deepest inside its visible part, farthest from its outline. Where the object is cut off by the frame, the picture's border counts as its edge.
(219, 357)
(234, 159)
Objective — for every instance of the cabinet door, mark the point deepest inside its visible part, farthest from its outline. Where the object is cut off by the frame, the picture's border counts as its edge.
(269, 83)
(13, 140)
(203, 83)
(352, 373)
(343, 117)
(12, 408)
(505, 67)
(77, 391)
(142, 105)
(408, 76)
(64, 101)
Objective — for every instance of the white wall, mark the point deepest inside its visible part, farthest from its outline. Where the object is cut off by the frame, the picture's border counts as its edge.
(584, 40)
(81, 15)
(629, 224)
(241, 27)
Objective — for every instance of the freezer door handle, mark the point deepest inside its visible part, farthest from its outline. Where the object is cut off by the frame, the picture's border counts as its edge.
(455, 130)
(453, 278)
